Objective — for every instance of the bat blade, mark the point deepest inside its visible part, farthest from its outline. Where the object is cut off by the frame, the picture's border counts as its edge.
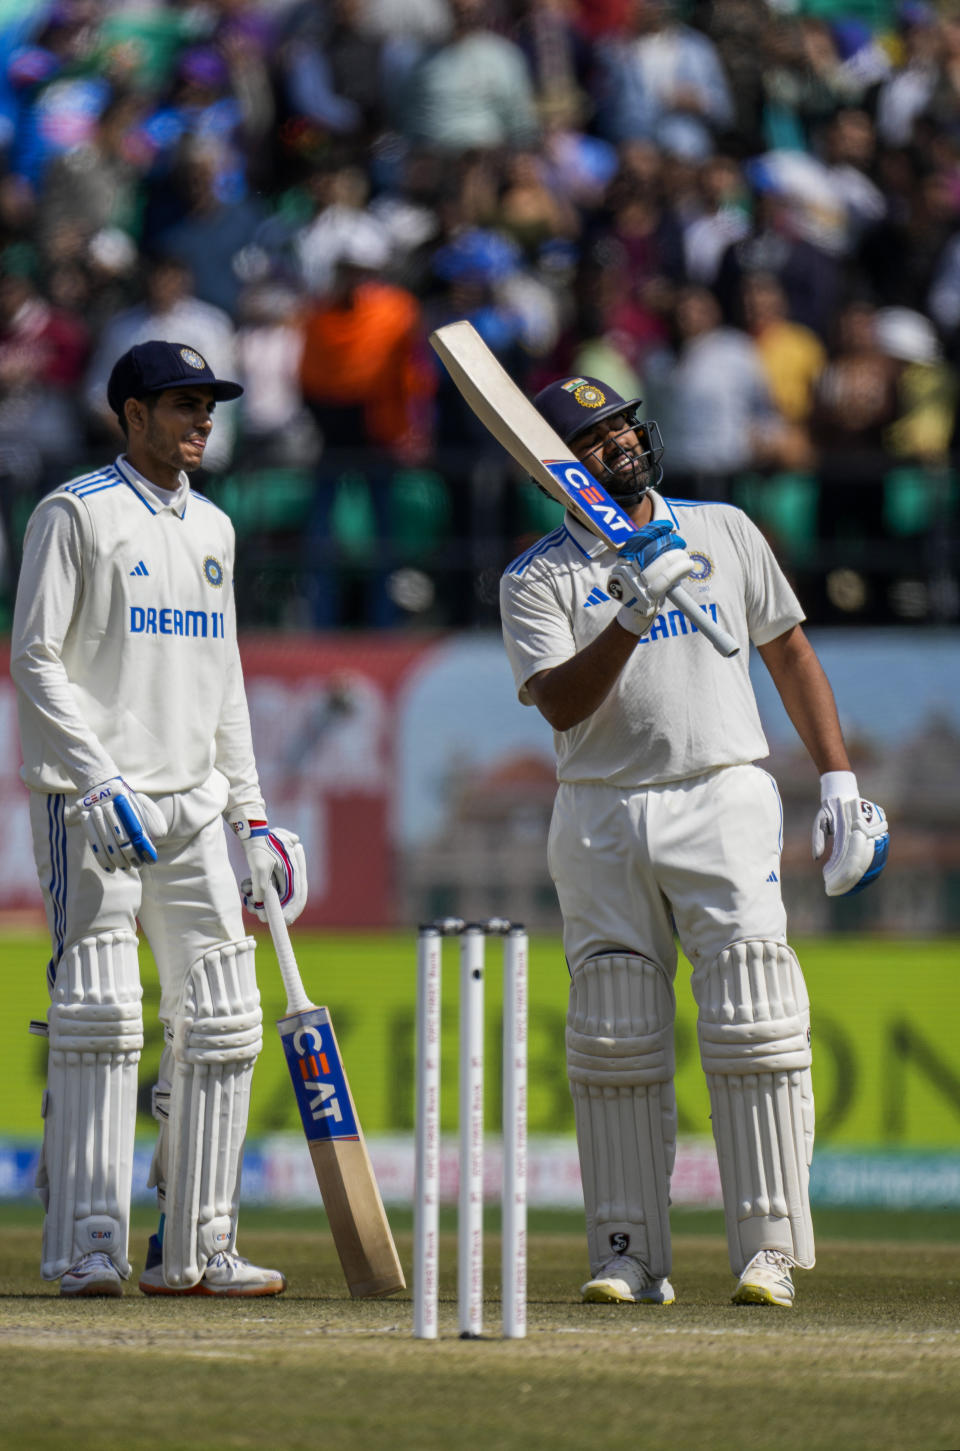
(509, 415)
(513, 421)
(345, 1177)
(351, 1198)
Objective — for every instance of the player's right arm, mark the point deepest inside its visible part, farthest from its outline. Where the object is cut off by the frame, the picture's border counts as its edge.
(57, 739)
(569, 693)
(48, 595)
(572, 684)
(564, 683)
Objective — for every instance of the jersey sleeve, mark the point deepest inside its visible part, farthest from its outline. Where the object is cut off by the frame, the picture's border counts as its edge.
(772, 606)
(48, 593)
(537, 631)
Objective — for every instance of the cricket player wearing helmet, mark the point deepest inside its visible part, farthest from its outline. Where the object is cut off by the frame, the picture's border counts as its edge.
(136, 745)
(664, 824)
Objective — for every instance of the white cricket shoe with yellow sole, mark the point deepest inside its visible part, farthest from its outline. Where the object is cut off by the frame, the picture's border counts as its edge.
(624, 1281)
(767, 1280)
(226, 1273)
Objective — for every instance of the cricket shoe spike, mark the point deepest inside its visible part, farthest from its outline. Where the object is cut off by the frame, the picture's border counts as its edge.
(94, 1274)
(767, 1280)
(226, 1274)
(624, 1281)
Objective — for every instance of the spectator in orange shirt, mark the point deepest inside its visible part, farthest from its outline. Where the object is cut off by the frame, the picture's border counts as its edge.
(363, 372)
(366, 379)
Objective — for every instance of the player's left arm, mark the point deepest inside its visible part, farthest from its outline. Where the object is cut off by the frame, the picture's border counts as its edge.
(858, 828)
(807, 697)
(272, 854)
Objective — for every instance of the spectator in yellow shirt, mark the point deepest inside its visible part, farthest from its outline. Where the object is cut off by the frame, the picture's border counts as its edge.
(793, 356)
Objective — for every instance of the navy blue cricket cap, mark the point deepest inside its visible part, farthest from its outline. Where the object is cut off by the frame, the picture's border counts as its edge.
(572, 405)
(155, 366)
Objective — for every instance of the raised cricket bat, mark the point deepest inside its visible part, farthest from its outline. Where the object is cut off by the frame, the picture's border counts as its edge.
(341, 1163)
(514, 422)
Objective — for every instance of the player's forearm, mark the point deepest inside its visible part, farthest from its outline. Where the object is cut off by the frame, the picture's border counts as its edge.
(234, 741)
(807, 698)
(57, 739)
(569, 693)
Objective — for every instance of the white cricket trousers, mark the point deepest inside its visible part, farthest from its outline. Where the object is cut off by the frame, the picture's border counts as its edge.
(699, 857)
(186, 902)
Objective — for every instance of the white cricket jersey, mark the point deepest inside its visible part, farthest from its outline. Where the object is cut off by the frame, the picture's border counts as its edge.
(124, 646)
(678, 708)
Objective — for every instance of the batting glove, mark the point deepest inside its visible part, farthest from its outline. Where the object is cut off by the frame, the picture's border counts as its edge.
(651, 563)
(650, 542)
(861, 838)
(121, 825)
(272, 856)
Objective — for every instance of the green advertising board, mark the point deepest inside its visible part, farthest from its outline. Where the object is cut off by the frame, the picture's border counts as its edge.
(885, 1034)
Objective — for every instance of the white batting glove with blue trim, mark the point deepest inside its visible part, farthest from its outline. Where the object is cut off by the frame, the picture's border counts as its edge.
(861, 837)
(121, 825)
(272, 856)
(650, 564)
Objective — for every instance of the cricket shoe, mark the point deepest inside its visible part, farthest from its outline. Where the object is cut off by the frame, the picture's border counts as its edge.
(767, 1280)
(94, 1274)
(226, 1274)
(624, 1281)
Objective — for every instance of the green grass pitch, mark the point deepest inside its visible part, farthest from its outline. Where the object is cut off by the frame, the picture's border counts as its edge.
(869, 1357)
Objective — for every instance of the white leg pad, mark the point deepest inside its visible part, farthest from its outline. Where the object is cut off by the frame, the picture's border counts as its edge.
(85, 1174)
(620, 1066)
(754, 1030)
(217, 1035)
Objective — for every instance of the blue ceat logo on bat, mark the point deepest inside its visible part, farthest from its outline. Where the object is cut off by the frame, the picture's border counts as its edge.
(318, 1078)
(591, 496)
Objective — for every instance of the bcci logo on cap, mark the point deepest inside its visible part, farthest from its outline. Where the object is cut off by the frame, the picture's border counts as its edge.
(588, 395)
(193, 359)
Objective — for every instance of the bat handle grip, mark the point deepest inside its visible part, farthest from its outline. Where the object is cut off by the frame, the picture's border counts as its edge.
(723, 643)
(297, 1000)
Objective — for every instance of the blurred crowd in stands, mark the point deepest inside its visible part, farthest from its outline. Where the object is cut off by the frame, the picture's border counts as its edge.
(745, 211)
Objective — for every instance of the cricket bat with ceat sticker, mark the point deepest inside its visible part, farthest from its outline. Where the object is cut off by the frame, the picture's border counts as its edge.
(514, 422)
(358, 1222)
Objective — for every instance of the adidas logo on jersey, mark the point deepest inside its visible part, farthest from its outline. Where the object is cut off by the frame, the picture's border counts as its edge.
(595, 597)
(773, 877)
(140, 569)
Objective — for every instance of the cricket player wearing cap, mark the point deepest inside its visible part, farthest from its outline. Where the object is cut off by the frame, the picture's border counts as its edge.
(136, 745)
(665, 825)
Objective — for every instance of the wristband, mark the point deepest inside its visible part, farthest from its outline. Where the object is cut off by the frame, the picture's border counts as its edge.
(840, 785)
(632, 622)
